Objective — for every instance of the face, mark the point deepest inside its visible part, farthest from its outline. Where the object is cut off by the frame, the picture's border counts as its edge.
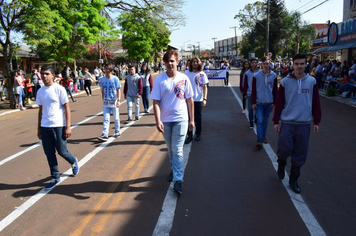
(171, 64)
(246, 65)
(299, 66)
(132, 70)
(254, 64)
(195, 64)
(266, 64)
(144, 67)
(47, 77)
(107, 70)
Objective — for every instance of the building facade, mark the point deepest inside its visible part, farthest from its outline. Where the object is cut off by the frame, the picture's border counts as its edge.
(226, 48)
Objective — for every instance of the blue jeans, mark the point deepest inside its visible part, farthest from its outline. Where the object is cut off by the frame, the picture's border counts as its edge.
(131, 100)
(106, 122)
(69, 91)
(262, 116)
(174, 135)
(145, 99)
(250, 110)
(81, 84)
(53, 139)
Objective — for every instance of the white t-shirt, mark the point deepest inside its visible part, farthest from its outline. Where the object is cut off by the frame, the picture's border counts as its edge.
(97, 72)
(52, 98)
(172, 95)
(110, 90)
(353, 69)
(198, 80)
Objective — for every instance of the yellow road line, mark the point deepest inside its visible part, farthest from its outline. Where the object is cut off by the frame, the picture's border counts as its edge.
(112, 188)
(113, 206)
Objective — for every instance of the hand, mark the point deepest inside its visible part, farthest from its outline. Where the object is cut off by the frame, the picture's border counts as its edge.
(191, 125)
(39, 135)
(254, 106)
(204, 103)
(138, 95)
(118, 103)
(271, 107)
(316, 129)
(276, 128)
(68, 132)
(160, 127)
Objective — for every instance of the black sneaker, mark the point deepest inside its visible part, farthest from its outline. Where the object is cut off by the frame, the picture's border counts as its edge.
(188, 139)
(103, 138)
(259, 145)
(197, 137)
(170, 177)
(251, 126)
(177, 187)
(127, 121)
(264, 140)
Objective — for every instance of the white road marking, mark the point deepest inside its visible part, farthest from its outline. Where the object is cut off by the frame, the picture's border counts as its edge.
(302, 208)
(32, 200)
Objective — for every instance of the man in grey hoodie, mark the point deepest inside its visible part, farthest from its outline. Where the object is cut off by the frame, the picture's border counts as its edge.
(297, 105)
(132, 92)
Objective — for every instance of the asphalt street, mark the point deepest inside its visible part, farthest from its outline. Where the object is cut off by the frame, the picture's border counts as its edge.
(230, 187)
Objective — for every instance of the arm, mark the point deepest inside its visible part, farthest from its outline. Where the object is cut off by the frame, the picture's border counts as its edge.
(190, 103)
(125, 88)
(254, 94)
(205, 94)
(245, 85)
(278, 108)
(157, 112)
(39, 121)
(151, 83)
(241, 82)
(118, 104)
(140, 88)
(68, 131)
(316, 109)
(274, 91)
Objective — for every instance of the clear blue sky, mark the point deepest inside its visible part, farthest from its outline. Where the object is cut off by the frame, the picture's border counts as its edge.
(207, 19)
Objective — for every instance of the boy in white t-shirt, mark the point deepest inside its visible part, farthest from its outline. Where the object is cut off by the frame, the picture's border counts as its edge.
(172, 94)
(54, 123)
(110, 93)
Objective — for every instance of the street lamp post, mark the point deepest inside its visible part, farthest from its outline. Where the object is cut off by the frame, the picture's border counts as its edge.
(234, 27)
(214, 45)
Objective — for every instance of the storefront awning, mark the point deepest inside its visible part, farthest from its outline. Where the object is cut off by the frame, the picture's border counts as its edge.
(336, 47)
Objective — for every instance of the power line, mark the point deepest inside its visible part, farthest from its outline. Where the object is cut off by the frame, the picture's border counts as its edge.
(315, 7)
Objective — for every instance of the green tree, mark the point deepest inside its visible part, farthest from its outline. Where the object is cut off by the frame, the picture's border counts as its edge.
(142, 36)
(77, 23)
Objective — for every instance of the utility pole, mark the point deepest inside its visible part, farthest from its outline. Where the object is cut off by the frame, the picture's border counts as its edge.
(214, 45)
(234, 27)
(198, 49)
(267, 28)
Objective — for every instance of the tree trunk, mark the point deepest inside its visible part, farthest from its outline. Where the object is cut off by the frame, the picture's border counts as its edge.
(8, 54)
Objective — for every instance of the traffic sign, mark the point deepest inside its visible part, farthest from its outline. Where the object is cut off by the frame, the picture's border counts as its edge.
(269, 54)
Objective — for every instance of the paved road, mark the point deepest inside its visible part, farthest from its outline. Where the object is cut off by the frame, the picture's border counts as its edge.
(230, 187)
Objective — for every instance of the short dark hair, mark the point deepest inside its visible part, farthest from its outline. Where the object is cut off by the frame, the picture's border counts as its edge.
(48, 67)
(131, 66)
(263, 59)
(300, 56)
(253, 59)
(109, 66)
(168, 55)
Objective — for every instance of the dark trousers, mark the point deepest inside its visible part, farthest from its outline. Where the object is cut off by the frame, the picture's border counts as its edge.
(227, 78)
(87, 84)
(53, 140)
(293, 141)
(198, 108)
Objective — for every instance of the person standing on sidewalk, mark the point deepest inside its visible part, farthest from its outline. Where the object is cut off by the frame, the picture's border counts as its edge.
(199, 81)
(54, 123)
(263, 97)
(110, 94)
(133, 92)
(296, 105)
(172, 96)
(248, 88)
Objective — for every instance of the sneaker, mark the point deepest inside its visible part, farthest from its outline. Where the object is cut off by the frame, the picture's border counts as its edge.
(75, 167)
(53, 183)
(259, 145)
(197, 137)
(146, 111)
(188, 139)
(264, 140)
(117, 134)
(177, 187)
(170, 177)
(243, 111)
(128, 121)
(137, 118)
(251, 126)
(103, 138)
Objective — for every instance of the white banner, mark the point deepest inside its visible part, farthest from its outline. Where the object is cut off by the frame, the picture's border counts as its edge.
(215, 73)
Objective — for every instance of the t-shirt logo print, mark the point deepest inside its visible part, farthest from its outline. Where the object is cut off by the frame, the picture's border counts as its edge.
(197, 80)
(179, 89)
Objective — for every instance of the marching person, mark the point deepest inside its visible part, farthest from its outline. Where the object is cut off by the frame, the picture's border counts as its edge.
(146, 78)
(172, 96)
(110, 94)
(54, 123)
(297, 105)
(133, 92)
(199, 81)
(263, 97)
